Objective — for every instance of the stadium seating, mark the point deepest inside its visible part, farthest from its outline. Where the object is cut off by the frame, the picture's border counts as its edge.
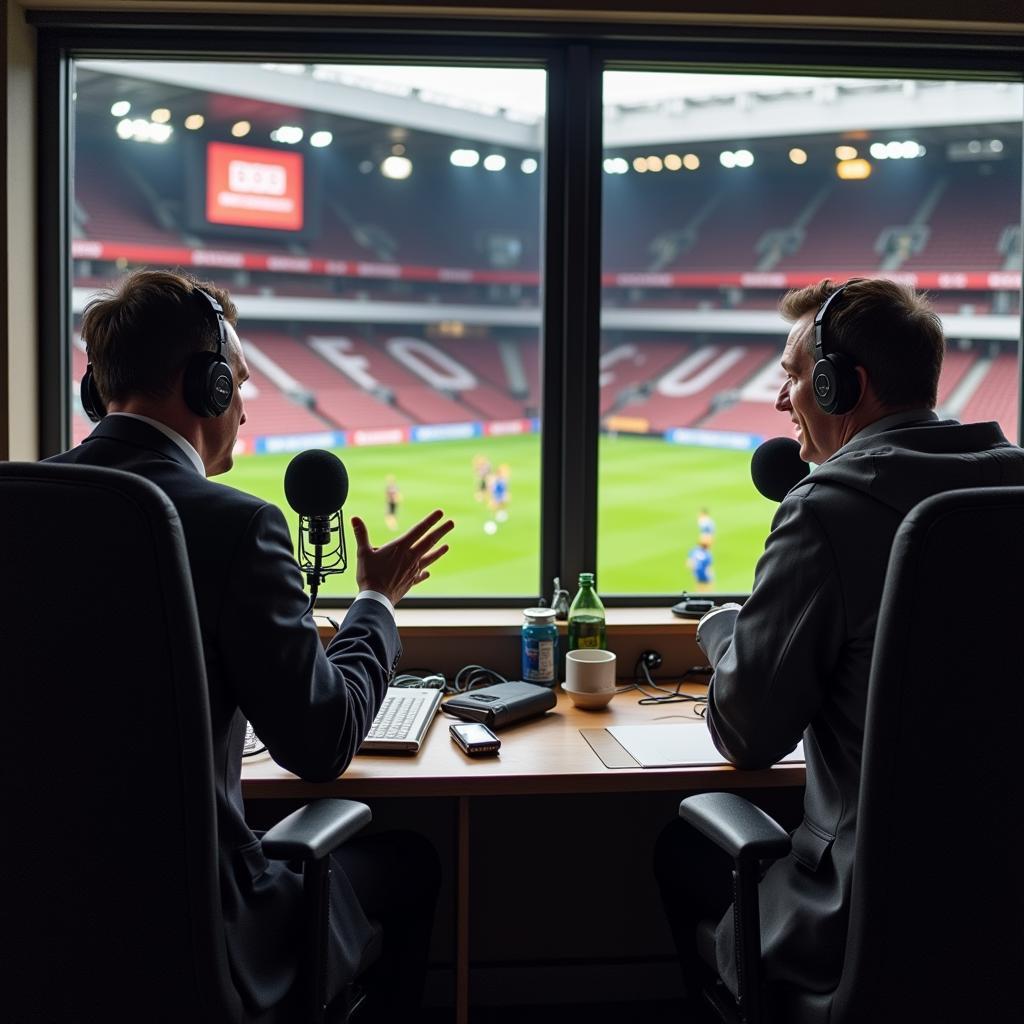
(842, 233)
(971, 215)
(112, 205)
(727, 366)
(269, 411)
(995, 398)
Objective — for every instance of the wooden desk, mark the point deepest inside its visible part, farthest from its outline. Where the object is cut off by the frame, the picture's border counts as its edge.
(545, 756)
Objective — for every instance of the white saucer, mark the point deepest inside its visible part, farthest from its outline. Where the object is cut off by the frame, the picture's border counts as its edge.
(588, 698)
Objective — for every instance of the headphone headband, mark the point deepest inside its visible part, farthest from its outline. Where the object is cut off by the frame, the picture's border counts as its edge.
(218, 315)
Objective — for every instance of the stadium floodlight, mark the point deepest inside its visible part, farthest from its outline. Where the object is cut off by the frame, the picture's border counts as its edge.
(846, 153)
(396, 167)
(910, 150)
(140, 129)
(160, 132)
(161, 115)
(120, 108)
(744, 158)
(854, 170)
(673, 162)
(894, 150)
(654, 163)
(691, 161)
(797, 155)
(727, 158)
(240, 129)
(640, 164)
(608, 165)
(529, 165)
(194, 122)
(879, 151)
(320, 139)
(494, 162)
(995, 145)
(464, 157)
(289, 134)
(125, 129)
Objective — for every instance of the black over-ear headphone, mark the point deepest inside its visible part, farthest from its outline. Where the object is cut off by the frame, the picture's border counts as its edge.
(208, 382)
(834, 377)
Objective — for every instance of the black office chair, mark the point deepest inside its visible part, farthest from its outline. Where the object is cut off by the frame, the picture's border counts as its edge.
(936, 931)
(111, 903)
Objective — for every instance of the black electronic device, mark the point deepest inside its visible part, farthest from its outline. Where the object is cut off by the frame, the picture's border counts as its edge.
(208, 383)
(316, 486)
(692, 607)
(834, 378)
(776, 467)
(474, 738)
(502, 704)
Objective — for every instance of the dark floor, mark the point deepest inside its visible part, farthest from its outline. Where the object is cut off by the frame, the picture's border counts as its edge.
(647, 1012)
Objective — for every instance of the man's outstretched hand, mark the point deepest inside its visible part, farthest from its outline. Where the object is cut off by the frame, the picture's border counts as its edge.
(401, 563)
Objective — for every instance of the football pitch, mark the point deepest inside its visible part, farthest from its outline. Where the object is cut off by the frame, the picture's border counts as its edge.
(650, 494)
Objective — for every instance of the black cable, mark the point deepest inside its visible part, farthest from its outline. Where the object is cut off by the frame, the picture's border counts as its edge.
(469, 677)
(642, 678)
(473, 677)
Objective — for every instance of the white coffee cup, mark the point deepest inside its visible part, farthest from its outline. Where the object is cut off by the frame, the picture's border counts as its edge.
(590, 670)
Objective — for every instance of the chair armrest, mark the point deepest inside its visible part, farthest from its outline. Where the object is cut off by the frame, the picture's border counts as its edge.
(315, 830)
(736, 826)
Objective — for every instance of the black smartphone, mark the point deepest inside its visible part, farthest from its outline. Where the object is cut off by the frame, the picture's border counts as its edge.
(474, 738)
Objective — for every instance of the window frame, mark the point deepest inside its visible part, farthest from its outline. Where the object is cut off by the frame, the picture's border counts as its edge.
(575, 57)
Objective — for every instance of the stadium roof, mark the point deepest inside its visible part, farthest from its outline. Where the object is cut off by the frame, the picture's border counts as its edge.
(505, 106)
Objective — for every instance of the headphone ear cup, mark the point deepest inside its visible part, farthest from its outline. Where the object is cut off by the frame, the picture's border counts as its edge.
(208, 384)
(836, 384)
(90, 397)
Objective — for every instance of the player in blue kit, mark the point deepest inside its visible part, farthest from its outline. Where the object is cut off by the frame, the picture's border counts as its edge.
(700, 561)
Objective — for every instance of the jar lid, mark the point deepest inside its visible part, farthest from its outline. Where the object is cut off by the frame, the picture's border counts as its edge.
(540, 616)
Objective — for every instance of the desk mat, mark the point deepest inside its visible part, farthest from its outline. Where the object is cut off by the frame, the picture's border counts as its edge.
(661, 746)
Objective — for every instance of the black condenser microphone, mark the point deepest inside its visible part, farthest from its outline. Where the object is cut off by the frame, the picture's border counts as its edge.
(316, 486)
(776, 467)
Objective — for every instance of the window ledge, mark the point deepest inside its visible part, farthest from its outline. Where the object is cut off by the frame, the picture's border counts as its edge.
(503, 622)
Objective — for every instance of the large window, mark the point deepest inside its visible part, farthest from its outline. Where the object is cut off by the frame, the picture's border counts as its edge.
(720, 193)
(379, 229)
(520, 276)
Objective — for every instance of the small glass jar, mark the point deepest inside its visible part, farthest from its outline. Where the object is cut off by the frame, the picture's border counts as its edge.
(540, 646)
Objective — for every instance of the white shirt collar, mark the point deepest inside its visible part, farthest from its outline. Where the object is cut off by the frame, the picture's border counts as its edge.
(193, 455)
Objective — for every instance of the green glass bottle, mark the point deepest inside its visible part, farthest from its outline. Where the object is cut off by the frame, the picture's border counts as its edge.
(586, 616)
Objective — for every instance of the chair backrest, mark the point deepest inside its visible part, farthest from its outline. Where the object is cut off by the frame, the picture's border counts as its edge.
(937, 925)
(111, 904)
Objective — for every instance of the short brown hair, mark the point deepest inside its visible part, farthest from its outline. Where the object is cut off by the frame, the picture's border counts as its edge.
(886, 327)
(140, 332)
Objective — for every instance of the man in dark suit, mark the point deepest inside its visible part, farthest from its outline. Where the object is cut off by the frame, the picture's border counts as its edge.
(862, 367)
(165, 372)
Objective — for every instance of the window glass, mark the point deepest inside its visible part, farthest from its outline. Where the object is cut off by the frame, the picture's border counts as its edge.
(379, 228)
(720, 193)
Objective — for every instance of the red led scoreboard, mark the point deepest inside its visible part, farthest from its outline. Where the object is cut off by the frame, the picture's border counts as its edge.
(254, 188)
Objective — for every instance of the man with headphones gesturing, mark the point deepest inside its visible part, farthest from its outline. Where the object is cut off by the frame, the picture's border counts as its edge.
(861, 367)
(163, 383)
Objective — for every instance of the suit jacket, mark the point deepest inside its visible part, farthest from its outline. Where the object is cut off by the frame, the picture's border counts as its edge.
(795, 661)
(265, 663)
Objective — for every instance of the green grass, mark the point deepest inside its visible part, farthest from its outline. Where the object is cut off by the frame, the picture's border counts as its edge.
(650, 493)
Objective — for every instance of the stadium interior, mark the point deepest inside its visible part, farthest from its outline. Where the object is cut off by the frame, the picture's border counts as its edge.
(409, 301)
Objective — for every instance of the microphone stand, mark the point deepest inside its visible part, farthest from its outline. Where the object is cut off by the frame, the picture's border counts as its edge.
(318, 564)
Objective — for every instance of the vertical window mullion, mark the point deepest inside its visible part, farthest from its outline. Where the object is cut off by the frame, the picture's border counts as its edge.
(574, 269)
(53, 258)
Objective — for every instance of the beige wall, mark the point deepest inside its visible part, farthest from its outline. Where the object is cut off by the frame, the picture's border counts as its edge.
(19, 332)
